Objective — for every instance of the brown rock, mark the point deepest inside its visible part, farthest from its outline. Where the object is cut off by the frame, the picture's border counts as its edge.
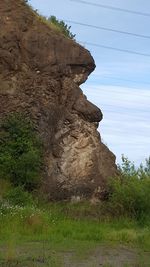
(40, 74)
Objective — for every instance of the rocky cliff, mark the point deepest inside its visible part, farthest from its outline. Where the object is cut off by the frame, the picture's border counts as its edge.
(40, 75)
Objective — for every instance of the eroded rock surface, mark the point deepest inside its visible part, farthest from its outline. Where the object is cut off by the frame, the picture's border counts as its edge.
(40, 74)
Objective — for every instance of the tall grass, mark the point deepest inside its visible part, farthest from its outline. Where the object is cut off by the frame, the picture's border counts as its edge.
(52, 224)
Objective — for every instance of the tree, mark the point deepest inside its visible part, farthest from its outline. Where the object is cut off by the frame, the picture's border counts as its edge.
(20, 152)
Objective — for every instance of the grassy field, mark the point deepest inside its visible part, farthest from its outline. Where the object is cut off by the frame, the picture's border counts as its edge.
(70, 235)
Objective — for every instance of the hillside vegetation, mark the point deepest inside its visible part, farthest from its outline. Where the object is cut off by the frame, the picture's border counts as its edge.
(57, 25)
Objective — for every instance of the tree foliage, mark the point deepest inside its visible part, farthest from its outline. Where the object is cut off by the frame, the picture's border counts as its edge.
(130, 192)
(62, 26)
(20, 152)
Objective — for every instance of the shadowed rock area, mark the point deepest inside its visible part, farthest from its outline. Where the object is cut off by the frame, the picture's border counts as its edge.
(40, 74)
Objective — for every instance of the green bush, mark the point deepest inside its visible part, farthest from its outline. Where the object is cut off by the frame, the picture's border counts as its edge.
(17, 196)
(5, 186)
(61, 26)
(20, 152)
(130, 193)
(128, 169)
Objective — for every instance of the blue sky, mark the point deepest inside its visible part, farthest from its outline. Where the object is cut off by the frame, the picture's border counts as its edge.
(120, 85)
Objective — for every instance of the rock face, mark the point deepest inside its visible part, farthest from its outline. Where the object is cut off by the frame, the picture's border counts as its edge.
(40, 74)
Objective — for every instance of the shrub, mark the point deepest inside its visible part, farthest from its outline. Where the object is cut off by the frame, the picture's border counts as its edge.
(61, 26)
(144, 171)
(130, 197)
(128, 169)
(130, 193)
(20, 152)
(17, 196)
(5, 186)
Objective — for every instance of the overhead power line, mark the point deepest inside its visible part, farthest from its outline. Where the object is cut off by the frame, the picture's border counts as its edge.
(109, 29)
(116, 49)
(113, 8)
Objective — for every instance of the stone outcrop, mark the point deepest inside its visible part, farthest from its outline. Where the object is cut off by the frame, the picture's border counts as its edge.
(40, 74)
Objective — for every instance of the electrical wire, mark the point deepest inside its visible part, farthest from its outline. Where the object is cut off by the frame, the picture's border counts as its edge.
(113, 8)
(114, 48)
(108, 29)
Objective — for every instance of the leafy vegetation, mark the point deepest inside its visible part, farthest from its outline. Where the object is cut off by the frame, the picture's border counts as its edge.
(130, 193)
(17, 196)
(57, 25)
(20, 152)
(128, 169)
(61, 26)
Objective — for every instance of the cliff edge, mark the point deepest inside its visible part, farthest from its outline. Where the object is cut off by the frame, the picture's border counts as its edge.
(40, 74)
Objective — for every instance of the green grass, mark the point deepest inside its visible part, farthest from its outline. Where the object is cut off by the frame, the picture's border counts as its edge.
(54, 224)
(36, 233)
(60, 227)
